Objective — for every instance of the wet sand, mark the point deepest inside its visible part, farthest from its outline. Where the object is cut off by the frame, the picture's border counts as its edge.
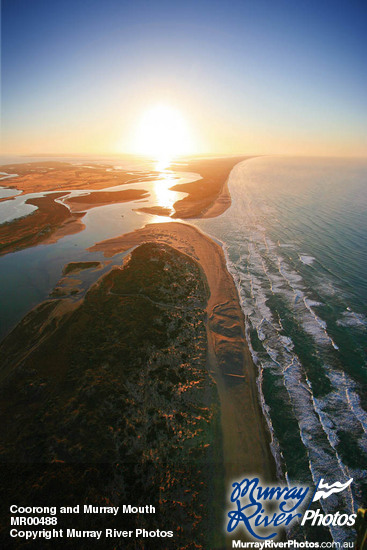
(155, 210)
(103, 198)
(207, 197)
(245, 435)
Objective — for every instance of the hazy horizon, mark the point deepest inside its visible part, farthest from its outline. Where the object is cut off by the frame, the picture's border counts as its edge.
(243, 78)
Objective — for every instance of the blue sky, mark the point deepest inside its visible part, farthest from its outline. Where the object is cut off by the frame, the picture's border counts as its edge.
(248, 76)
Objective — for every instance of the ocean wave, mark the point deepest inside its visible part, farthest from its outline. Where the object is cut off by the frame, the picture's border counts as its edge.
(291, 324)
(352, 319)
(307, 260)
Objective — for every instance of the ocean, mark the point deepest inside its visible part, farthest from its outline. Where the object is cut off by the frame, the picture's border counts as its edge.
(295, 242)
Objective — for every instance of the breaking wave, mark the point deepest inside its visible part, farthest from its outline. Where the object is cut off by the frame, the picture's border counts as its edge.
(289, 264)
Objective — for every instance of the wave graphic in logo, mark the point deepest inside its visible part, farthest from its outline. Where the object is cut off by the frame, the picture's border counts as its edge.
(324, 490)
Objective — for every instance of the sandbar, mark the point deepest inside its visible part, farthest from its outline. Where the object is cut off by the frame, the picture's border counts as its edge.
(246, 440)
(208, 197)
(155, 210)
(76, 267)
(103, 198)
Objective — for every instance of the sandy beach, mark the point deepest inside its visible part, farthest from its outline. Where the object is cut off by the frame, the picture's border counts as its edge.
(245, 435)
(208, 197)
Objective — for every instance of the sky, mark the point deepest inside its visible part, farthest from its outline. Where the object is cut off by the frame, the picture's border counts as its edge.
(246, 76)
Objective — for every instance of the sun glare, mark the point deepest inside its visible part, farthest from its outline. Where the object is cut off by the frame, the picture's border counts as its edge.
(162, 133)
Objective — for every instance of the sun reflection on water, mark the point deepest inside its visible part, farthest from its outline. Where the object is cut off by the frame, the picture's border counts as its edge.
(161, 194)
(162, 164)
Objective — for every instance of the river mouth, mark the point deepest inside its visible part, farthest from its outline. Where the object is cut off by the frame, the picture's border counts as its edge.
(28, 276)
(299, 262)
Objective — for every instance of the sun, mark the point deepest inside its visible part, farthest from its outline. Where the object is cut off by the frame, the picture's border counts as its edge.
(162, 133)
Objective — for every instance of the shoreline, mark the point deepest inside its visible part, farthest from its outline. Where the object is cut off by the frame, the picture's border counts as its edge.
(221, 203)
(242, 433)
(206, 197)
(246, 439)
(49, 223)
(209, 196)
(54, 220)
(128, 377)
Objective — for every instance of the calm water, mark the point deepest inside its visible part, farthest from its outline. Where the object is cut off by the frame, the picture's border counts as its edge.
(295, 239)
(27, 277)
